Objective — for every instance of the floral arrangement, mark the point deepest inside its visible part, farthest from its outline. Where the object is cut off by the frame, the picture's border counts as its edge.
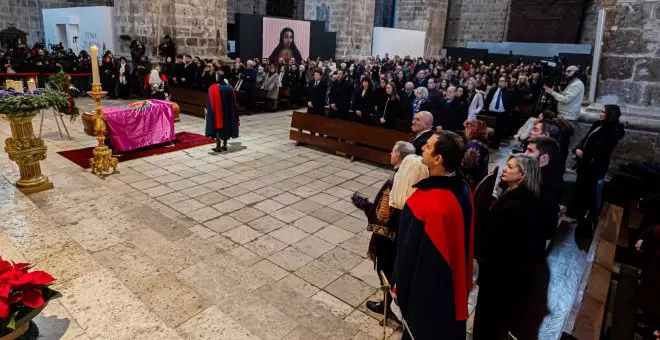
(58, 94)
(23, 294)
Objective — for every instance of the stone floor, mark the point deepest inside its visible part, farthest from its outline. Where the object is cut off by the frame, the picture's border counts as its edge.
(261, 242)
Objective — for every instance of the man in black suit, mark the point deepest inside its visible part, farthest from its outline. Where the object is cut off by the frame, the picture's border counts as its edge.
(407, 98)
(499, 104)
(451, 114)
(340, 97)
(422, 125)
(318, 88)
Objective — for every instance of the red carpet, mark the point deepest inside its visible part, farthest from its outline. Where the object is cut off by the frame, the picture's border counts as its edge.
(184, 140)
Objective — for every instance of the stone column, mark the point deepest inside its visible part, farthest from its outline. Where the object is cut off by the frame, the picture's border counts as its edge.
(429, 16)
(352, 20)
(198, 27)
(630, 65)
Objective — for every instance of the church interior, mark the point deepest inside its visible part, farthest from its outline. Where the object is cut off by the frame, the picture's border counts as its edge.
(330, 169)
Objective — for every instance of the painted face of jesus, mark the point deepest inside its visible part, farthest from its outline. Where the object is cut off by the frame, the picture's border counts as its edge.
(288, 38)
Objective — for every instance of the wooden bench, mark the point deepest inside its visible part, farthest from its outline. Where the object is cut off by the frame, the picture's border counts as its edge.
(372, 143)
(192, 102)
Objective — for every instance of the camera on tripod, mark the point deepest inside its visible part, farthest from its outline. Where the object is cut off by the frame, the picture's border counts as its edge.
(552, 72)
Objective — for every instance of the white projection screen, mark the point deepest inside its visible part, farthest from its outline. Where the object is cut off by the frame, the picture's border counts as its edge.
(398, 42)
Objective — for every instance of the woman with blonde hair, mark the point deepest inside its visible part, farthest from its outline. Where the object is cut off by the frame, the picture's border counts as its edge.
(509, 247)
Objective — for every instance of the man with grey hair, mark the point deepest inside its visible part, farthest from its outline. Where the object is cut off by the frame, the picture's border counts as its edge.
(383, 213)
(450, 114)
(569, 101)
(407, 99)
(422, 125)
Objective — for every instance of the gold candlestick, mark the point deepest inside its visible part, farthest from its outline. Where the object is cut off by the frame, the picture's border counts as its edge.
(102, 161)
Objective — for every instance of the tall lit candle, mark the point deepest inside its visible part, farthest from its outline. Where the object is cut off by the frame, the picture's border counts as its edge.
(96, 79)
(32, 85)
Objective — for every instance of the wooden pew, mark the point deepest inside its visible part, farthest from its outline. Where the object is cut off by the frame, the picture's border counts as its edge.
(192, 102)
(372, 143)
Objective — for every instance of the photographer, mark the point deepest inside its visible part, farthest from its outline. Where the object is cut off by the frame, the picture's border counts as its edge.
(84, 65)
(570, 100)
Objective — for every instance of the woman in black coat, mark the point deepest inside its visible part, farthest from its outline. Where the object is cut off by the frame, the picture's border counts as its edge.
(593, 156)
(364, 103)
(508, 253)
(109, 72)
(389, 108)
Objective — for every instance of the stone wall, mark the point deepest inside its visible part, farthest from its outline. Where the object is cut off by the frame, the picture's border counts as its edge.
(242, 6)
(476, 20)
(630, 65)
(26, 16)
(429, 16)
(198, 27)
(352, 20)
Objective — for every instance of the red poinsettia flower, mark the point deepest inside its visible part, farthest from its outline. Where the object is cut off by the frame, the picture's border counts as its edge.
(19, 285)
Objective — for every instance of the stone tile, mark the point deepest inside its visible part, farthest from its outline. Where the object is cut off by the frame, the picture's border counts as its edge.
(168, 178)
(367, 324)
(320, 185)
(318, 273)
(250, 198)
(70, 263)
(301, 179)
(287, 214)
(268, 191)
(268, 206)
(93, 234)
(365, 272)
(222, 243)
(173, 301)
(290, 258)
(328, 214)
(334, 180)
(132, 177)
(222, 224)
(333, 234)
(339, 192)
(196, 191)
(246, 214)
(271, 269)
(106, 309)
(336, 306)
(309, 224)
(117, 255)
(323, 198)
(265, 246)
(289, 234)
(345, 206)
(305, 191)
(55, 322)
(203, 178)
(187, 206)
(353, 186)
(159, 190)
(211, 198)
(156, 172)
(347, 174)
(233, 191)
(163, 252)
(244, 256)
(188, 173)
(172, 198)
(217, 184)
(242, 234)
(266, 224)
(212, 323)
(313, 246)
(145, 184)
(366, 180)
(295, 284)
(356, 244)
(204, 214)
(341, 258)
(286, 198)
(229, 206)
(307, 206)
(202, 231)
(352, 224)
(350, 290)
(301, 333)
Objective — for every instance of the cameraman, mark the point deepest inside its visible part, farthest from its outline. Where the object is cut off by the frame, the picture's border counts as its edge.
(570, 100)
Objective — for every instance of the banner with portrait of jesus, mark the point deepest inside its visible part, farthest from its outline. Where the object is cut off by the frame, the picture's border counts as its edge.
(285, 39)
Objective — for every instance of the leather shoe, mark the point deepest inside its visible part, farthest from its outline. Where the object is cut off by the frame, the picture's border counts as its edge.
(376, 307)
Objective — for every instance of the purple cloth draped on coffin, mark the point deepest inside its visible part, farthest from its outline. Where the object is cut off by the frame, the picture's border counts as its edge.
(140, 124)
